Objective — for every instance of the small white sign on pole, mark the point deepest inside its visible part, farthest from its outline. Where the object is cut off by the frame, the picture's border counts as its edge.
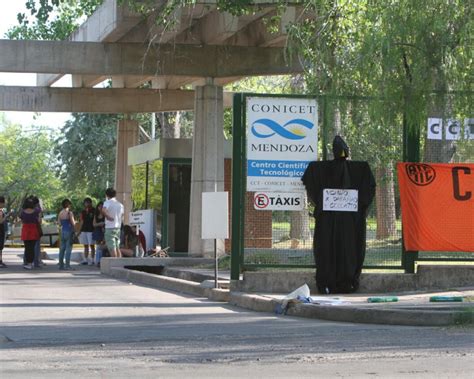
(340, 200)
(215, 215)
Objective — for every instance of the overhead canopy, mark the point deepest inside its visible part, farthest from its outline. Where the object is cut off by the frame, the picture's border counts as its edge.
(90, 58)
(166, 148)
(200, 25)
(97, 100)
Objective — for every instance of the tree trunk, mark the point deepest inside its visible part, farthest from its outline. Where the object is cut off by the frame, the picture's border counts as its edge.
(299, 221)
(299, 227)
(385, 202)
(170, 123)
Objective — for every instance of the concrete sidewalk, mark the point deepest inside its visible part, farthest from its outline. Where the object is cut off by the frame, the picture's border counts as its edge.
(413, 307)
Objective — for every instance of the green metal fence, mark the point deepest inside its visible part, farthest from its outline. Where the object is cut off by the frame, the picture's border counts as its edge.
(284, 238)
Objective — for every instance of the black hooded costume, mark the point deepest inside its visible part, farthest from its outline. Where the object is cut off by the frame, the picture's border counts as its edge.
(339, 237)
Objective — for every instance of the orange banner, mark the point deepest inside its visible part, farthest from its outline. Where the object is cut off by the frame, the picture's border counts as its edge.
(437, 202)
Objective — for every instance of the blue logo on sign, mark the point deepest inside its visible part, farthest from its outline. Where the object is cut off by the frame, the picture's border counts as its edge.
(293, 129)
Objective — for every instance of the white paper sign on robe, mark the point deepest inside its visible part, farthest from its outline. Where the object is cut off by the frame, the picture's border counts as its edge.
(340, 200)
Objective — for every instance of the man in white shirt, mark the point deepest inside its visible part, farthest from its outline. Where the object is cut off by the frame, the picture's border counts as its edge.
(113, 212)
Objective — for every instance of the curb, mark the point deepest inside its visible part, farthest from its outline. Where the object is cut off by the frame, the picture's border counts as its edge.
(395, 316)
(253, 302)
(169, 283)
(367, 315)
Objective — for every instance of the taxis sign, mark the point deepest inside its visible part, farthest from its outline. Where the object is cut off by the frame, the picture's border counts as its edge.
(278, 201)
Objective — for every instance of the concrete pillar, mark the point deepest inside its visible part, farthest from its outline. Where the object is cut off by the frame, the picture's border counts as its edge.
(127, 136)
(208, 163)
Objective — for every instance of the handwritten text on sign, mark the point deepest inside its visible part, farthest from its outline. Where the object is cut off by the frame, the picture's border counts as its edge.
(340, 200)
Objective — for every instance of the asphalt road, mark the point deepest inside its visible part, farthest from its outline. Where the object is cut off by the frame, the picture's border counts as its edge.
(83, 324)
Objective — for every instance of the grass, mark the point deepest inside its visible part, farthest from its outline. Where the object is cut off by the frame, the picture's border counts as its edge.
(371, 224)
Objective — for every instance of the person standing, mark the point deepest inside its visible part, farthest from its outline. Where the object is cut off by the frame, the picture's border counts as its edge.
(37, 260)
(98, 234)
(86, 230)
(3, 223)
(30, 217)
(67, 222)
(113, 212)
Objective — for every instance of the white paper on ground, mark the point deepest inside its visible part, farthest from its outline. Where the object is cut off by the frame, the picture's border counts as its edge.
(327, 301)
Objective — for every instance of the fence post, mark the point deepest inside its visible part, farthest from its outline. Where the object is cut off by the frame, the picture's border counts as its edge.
(411, 153)
(237, 177)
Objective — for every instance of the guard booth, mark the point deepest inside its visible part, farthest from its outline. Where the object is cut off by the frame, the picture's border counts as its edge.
(177, 161)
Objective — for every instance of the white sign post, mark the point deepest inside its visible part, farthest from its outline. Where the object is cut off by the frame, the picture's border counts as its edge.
(282, 138)
(215, 221)
(144, 220)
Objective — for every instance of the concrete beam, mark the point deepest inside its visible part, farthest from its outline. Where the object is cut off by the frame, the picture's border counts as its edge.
(258, 33)
(217, 27)
(91, 58)
(97, 100)
(94, 100)
(110, 22)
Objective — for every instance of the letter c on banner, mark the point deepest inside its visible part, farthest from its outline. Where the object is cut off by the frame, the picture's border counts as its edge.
(457, 194)
(435, 128)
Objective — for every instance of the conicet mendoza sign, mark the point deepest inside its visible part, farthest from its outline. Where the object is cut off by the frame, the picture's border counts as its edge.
(282, 138)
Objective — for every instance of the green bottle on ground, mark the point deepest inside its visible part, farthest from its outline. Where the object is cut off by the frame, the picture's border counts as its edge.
(383, 299)
(446, 299)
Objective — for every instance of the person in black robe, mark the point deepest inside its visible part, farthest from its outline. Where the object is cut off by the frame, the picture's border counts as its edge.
(339, 236)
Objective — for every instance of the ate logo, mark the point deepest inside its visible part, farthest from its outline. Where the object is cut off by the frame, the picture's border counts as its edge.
(420, 174)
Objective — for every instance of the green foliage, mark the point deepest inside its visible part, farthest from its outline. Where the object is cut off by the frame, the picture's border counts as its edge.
(51, 19)
(27, 165)
(77, 202)
(155, 185)
(400, 51)
(86, 152)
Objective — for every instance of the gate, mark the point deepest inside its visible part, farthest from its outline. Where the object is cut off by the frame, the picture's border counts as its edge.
(264, 239)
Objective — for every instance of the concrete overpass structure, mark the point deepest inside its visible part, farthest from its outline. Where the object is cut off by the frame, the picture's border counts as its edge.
(186, 66)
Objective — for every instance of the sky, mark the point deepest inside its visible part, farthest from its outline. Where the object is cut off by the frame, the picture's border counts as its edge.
(9, 10)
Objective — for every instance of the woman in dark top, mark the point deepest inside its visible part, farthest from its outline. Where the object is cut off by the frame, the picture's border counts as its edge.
(86, 231)
(67, 222)
(30, 218)
(98, 233)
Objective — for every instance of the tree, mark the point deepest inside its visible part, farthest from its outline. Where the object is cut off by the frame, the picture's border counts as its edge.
(40, 25)
(155, 189)
(27, 165)
(86, 153)
(403, 54)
